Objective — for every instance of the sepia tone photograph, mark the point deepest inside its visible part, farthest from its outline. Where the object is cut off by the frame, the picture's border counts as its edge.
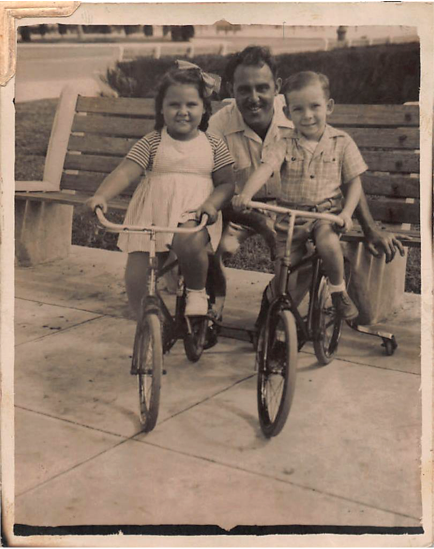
(231, 351)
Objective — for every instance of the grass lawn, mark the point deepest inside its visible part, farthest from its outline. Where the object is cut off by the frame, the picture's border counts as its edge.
(33, 125)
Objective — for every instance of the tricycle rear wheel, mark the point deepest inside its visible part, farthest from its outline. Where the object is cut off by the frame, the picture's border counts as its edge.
(326, 325)
(194, 342)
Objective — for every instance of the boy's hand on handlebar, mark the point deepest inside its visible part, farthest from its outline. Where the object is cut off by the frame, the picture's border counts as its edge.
(209, 209)
(240, 201)
(97, 200)
(348, 223)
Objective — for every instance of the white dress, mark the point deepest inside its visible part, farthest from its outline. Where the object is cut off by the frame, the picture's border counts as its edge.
(178, 180)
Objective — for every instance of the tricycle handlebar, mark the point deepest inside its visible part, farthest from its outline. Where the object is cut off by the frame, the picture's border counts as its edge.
(296, 213)
(120, 228)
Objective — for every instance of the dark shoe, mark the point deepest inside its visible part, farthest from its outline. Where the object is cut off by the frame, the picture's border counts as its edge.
(211, 337)
(344, 306)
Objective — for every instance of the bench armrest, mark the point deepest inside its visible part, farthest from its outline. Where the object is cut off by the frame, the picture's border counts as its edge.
(29, 186)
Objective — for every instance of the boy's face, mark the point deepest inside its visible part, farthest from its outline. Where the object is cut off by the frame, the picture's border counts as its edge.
(308, 108)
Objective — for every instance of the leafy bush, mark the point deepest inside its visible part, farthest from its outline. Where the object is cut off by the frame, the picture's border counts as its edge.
(385, 74)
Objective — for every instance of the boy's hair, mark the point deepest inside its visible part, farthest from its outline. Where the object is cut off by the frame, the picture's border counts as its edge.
(251, 56)
(303, 79)
(189, 77)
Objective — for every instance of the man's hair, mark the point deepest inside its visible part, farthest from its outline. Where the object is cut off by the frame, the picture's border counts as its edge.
(190, 77)
(301, 80)
(251, 56)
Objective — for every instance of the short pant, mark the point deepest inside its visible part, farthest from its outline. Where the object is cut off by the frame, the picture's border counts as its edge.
(304, 229)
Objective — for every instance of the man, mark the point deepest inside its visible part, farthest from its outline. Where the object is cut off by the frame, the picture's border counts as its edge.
(249, 125)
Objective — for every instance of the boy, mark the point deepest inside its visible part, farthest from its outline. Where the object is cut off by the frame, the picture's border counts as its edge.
(316, 163)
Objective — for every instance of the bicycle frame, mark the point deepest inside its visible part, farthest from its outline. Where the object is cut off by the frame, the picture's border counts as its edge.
(152, 300)
(284, 298)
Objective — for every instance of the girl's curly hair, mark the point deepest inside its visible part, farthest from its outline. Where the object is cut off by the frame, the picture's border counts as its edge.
(190, 77)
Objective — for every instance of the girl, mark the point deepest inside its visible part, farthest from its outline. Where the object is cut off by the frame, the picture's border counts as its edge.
(188, 172)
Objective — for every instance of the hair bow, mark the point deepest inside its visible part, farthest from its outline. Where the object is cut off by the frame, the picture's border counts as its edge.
(212, 81)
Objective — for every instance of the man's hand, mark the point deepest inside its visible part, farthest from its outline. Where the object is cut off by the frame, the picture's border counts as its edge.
(348, 223)
(209, 209)
(240, 201)
(379, 240)
(94, 201)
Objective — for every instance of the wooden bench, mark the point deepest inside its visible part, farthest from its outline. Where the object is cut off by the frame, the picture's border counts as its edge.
(91, 135)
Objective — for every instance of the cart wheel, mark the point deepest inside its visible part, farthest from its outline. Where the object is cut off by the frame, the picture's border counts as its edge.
(390, 345)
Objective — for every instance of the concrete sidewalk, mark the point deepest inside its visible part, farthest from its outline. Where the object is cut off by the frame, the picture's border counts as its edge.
(348, 455)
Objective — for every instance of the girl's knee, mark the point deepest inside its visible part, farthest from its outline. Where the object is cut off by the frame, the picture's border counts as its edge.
(191, 245)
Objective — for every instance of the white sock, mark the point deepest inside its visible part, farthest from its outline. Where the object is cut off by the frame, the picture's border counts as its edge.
(338, 288)
(201, 291)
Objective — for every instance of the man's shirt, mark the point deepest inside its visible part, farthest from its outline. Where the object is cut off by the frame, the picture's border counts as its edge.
(246, 147)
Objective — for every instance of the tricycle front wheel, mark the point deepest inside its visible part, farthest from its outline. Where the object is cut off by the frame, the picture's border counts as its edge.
(276, 359)
(148, 360)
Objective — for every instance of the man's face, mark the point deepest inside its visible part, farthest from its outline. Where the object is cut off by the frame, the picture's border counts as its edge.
(254, 90)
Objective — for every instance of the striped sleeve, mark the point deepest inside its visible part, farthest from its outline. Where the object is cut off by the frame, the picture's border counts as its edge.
(222, 156)
(143, 152)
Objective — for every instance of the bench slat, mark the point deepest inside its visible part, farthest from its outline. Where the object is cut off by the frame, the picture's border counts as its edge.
(113, 126)
(385, 138)
(348, 115)
(120, 105)
(391, 161)
(88, 182)
(394, 211)
(92, 163)
(126, 106)
(375, 115)
(410, 238)
(391, 185)
(77, 199)
(93, 144)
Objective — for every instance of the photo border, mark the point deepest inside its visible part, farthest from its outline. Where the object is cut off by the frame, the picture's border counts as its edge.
(14, 14)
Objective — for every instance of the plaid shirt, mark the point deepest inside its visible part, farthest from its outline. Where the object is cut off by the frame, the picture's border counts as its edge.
(310, 178)
(246, 147)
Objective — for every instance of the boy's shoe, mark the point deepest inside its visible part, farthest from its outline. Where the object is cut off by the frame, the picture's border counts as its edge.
(196, 303)
(344, 305)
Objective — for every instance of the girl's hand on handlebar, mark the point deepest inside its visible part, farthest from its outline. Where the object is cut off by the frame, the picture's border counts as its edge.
(240, 201)
(95, 201)
(348, 223)
(209, 209)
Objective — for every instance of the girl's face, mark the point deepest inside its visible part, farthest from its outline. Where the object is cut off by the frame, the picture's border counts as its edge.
(182, 111)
